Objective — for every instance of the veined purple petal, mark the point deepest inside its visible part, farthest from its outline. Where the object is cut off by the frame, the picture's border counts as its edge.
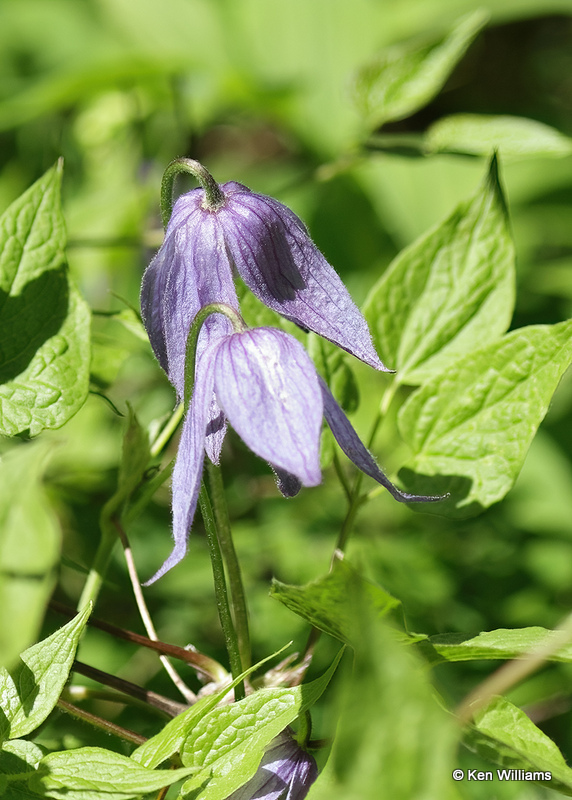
(153, 301)
(191, 269)
(187, 474)
(286, 772)
(278, 261)
(267, 386)
(356, 451)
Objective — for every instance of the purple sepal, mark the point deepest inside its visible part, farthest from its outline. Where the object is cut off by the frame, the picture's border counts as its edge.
(356, 451)
(280, 264)
(190, 270)
(266, 386)
(187, 473)
(288, 484)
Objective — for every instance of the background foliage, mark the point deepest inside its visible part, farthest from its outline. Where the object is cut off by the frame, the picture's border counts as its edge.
(279, 96)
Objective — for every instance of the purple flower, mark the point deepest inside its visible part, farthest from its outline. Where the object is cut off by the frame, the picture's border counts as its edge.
(270, 248)
(267, 387)
(286, 772)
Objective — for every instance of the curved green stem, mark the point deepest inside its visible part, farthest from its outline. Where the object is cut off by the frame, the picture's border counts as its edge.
(238, 325)
(236, 585)
(304, 729)
(214, 197)
(217, 525)
(221, 592)
(102, 724)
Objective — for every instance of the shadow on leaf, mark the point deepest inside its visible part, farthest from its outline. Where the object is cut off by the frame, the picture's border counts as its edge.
(30, 319)
(457, 486)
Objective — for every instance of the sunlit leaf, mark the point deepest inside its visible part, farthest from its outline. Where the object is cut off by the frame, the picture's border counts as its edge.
(31, 690)
(44, 322)
(502, 643)
(449, 292)
(170, 739)
(229, 742)
(473, 424)
(406, 77)
(506, 736)
(480, 135)
(92, 773)
(29, 549)
(18, 758)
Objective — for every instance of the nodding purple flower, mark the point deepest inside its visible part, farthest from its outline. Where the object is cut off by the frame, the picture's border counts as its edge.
(269, 247)
(265, 384)
(286, 772)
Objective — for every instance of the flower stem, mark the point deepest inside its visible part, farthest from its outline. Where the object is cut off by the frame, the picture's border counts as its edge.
(226, 543)
(96, 574)
(101, 724)
(216, 524)
(221, 591)
(214, 197)
(189, 695)
(165, 435)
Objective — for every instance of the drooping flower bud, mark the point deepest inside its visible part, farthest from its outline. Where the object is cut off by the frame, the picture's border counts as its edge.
(269, 246)
(286, 772)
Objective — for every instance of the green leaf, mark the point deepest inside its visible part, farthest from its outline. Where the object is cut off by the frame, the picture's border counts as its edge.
(89, 773)
(506, 736)
(31, 690)
(29, 549)
(406, 77)
(229, 742)
(18, 758)
(502, 643)
(329, 603)
(472, 425)
(480, 135)
(44, 323)
(170, 739)
(449, 292)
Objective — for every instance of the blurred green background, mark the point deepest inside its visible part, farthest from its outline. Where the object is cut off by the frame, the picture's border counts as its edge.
(261, 92)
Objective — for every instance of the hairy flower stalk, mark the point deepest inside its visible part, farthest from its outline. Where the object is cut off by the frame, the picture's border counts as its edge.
(286, 772)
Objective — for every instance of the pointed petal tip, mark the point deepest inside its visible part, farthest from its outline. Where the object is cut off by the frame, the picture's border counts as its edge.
(405, 497)
(289, 485)
(357, 452)
(176, 556)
